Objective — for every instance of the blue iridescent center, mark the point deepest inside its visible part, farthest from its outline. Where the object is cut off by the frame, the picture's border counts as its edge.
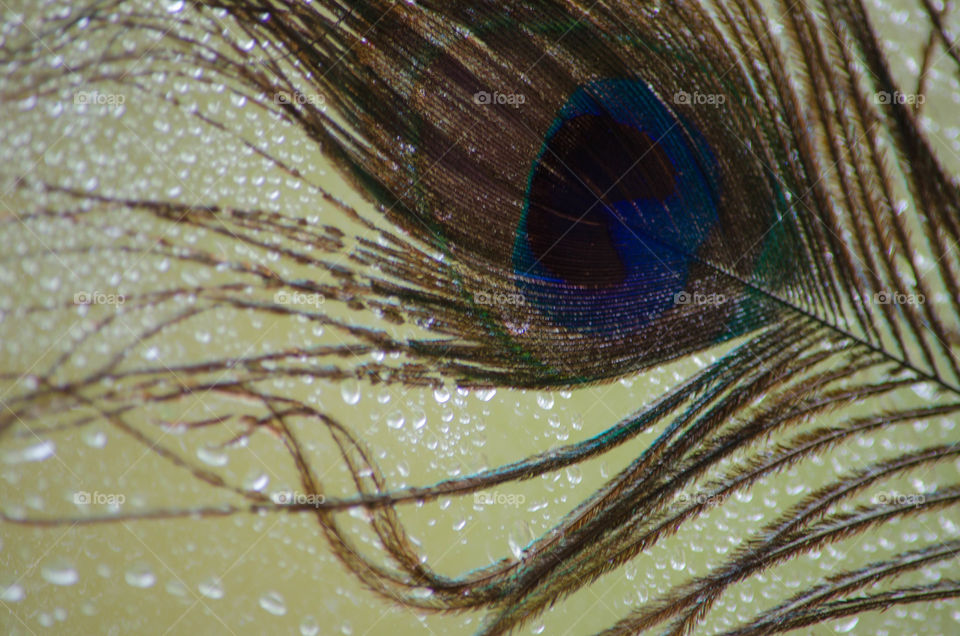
(619, 202)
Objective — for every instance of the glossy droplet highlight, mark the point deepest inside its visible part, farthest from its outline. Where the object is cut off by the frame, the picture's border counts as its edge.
(59, 573)
(309, 626)
(395, 420)
(33, 453)
(273, 603)
(257, 482)
(94, 438)
(212, 588)
(140, 575)
(441, 395)
(12, 593)
(846, 626)
(212, 456)
(350, 391)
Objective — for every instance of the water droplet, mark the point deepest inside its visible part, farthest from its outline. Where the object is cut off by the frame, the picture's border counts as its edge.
(212, 588)
(678, 562)
(140, 575)
(925, 390)
(176, 6)
(574, 475)
(35, 453)
(545, 400)
(843, 627)
(515, 548)
(419, 419)
(350, 391)
(395, 420)
(485, 395)
(441, 395)
(12, 594)
(309, 626)
(94, 438)
(59, 573)
(212, 456)
(257, 482)
(273, 603)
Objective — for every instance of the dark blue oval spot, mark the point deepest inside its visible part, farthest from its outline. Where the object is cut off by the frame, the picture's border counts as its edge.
(588, 166)
(619, 200)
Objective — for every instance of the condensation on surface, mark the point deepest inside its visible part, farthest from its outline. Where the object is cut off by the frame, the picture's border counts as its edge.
(273, 573)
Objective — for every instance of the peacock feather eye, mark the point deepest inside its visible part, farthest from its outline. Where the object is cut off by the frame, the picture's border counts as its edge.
(576, 317)
(621, 198)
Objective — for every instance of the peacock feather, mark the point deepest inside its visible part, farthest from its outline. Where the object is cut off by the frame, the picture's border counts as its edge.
(745, 212)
